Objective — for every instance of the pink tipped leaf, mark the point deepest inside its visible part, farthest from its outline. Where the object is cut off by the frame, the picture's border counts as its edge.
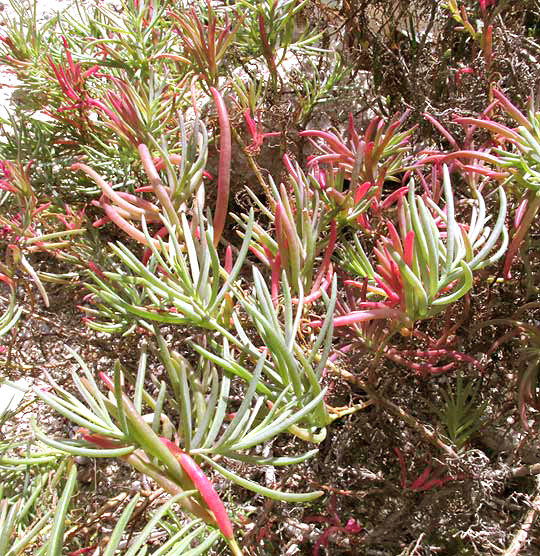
(290, 168)
(490, 125)
(512, 110)
(204, 486)
(409, 249)
(114, 216)
(437, 125)
(477, 155)
(157, 185)
(521, 211)
(356, 317)
(228, 260)
(224, 174)
(333, 141)
(361, 191)
(393, 237)
(395, 196)
(353, 134)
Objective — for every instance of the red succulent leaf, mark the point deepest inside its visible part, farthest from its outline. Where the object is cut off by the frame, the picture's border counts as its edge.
(204, 486)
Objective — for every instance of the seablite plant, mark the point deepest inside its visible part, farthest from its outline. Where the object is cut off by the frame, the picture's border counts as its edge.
(34, 502)
(34, 227)
(186, 285)
(204, 42)
(303, 233)
(425, 266)
(152, 444)
(270, 32)
(366, 161)
(175, 180)
(182, 283)
(25, 517)
(518, 153)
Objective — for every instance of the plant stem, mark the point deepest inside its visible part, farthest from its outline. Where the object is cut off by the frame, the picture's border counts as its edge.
(396, 410)
(255, 168)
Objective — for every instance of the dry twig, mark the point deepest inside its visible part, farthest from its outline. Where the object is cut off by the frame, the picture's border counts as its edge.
(399, 412)
(522, 534)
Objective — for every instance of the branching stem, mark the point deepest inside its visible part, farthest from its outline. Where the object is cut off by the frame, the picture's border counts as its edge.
(396, 410)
